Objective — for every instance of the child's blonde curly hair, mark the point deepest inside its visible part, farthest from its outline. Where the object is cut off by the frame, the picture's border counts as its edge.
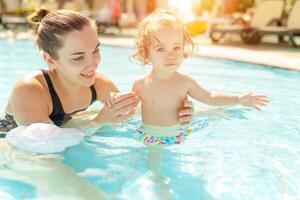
(158, 19)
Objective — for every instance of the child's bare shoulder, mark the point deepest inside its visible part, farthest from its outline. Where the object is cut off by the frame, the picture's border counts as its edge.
(185, 78)
(140, 79)
(139, 82)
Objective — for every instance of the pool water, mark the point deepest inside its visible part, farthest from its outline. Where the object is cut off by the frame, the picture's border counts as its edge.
(233, 153)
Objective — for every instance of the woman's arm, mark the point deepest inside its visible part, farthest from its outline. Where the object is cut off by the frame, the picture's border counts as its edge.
(185, 115)
(28, 102)
(122, 105)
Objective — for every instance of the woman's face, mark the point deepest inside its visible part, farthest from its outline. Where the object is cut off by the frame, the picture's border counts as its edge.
(79, 57)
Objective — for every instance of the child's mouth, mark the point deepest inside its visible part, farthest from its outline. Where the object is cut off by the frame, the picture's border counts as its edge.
(170, 65)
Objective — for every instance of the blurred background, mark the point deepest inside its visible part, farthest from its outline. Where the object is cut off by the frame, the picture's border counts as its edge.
(197, 14)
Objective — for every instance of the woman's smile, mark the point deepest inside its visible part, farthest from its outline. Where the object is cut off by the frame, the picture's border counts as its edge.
(89, 75)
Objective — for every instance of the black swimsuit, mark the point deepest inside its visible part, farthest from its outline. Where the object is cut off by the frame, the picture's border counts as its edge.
(58, 115)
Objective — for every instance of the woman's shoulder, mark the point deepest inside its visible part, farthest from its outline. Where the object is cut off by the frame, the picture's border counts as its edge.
(101, 78)
(30, 80)
(103, 81)
(31, 84)
(27, 92)
(104, 85)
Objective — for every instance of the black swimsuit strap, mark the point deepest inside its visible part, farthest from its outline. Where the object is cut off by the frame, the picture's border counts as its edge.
(56, 103)
(94, 94)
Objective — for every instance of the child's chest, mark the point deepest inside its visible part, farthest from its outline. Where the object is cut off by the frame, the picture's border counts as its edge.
(163, 95)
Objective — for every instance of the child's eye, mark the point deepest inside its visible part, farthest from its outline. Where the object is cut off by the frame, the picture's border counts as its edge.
(177, 48)
(160, 49)
(78, 58)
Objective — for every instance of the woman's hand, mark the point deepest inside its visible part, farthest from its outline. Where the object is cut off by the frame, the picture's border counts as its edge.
(117, 107)
(185, 115)
(253, 101)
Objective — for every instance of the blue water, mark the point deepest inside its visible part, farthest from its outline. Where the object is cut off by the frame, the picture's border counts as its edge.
(233, 153)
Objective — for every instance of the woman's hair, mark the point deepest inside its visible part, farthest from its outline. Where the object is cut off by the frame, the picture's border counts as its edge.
(55, 24)
(159, 19)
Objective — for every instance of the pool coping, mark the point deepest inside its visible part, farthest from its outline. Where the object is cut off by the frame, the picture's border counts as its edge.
(267, 55)
(271, 55)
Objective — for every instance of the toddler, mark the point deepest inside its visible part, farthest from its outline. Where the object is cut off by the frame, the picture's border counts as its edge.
(163, 42)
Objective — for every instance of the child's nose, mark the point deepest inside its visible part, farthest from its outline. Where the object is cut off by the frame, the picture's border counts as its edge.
(170, 55)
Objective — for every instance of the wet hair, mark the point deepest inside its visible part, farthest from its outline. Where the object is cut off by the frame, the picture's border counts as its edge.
(52, 25)
(160, 18)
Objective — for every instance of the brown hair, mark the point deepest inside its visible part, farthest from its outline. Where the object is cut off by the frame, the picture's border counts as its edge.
(53, 25)
(159, 18)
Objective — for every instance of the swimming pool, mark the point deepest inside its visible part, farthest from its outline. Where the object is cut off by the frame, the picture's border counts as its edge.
(233, 153)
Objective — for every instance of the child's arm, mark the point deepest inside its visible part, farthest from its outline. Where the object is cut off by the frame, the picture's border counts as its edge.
(222, 99)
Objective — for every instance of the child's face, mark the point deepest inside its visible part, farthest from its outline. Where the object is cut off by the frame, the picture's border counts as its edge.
(166, 54)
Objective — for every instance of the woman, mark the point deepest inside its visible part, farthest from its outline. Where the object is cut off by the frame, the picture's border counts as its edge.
(70, 46)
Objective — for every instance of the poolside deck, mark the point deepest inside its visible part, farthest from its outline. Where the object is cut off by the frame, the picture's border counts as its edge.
(269, 54)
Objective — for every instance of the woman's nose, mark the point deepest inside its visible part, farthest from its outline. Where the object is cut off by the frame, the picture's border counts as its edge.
(94, 61)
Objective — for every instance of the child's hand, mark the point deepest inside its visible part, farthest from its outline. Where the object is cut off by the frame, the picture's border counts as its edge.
(253, 101)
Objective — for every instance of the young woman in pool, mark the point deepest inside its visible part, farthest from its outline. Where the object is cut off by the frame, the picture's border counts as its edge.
(69, 44)
(163, 42)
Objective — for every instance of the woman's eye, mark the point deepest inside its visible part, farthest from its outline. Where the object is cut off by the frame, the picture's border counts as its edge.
(177, 48)
(96, 50)
(78, 58)
(160, 49)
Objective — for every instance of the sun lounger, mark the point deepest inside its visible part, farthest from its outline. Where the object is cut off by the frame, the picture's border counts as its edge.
(12, 14)
(266, 12)
(292, 28)
(9, 21)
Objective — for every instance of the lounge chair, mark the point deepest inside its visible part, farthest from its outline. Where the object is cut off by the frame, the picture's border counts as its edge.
(292, 28)
(0, 12)
(266, 12)
(12, 14)
(9, 21)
